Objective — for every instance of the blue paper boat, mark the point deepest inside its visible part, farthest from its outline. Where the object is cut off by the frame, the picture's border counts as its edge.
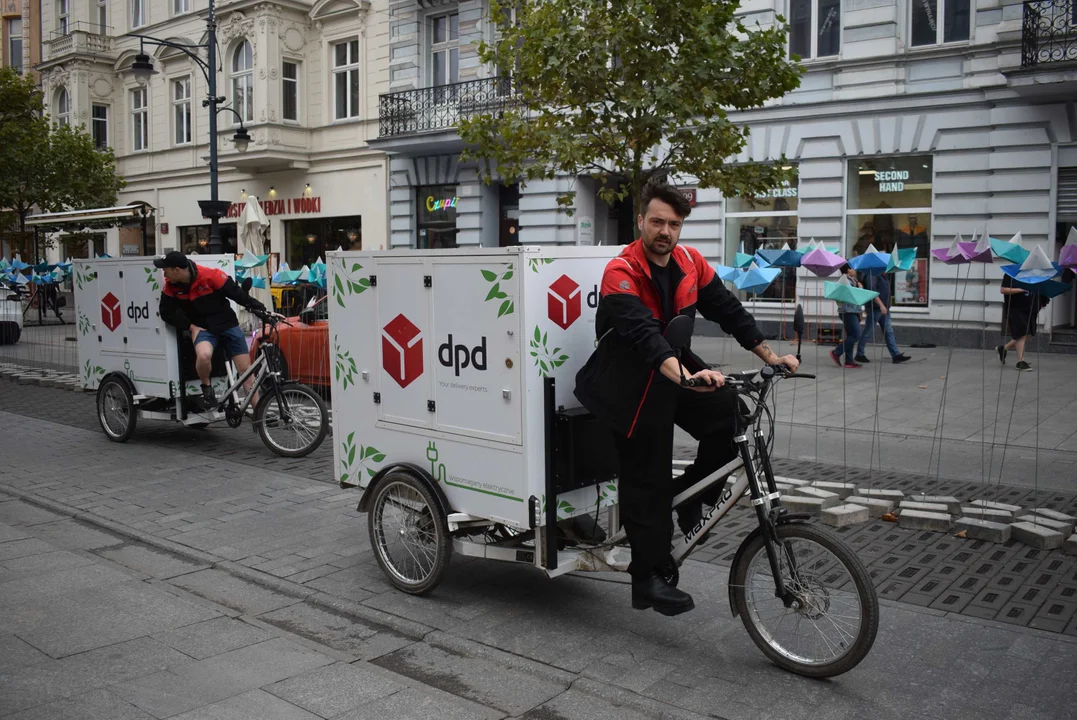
(872, 262)
(1032, 277)
(902, 259)
(1009, 250)
(742, 260)
(756, 279)
(1047, 288)
(726, 273)
(780, 258)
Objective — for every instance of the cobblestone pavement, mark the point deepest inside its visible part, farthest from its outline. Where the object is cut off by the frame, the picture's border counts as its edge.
(502, 640)
(1011, 583)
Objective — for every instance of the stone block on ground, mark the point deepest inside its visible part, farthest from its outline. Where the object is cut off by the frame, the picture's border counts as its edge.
(989, 514)
(848, 514)
(1065, 528)
(924, 520)
(799, 503)
(1068, 520)
(994, 505)
(976, 529)
(877, 507)
(953, 505)
(925, 507)
(895, 496)
(1070, 546)
(792, 481)
(811, 492)
(842, 490)
(1037, 536)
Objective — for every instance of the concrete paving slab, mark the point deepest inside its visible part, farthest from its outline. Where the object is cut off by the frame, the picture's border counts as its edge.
(76, 535)
(147, 560)
(977, 529)
(334, 689)
(99, 704)
(17, 513)
(45, 563)
(15, 653)
(413, 704)
(843, 515)
(877, 507)
(360, 640)
(230, 591)
(1037, 535)
(212, 637)
(248, 706)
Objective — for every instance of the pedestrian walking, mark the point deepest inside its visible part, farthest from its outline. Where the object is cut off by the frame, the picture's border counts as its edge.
(877, 310)
(850, 321)
(1020, 310)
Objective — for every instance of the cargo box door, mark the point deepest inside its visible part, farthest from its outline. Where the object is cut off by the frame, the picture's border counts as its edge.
(404, 344)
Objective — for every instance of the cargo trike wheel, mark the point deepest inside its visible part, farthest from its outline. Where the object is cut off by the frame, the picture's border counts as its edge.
(116, 409)
(409, 533)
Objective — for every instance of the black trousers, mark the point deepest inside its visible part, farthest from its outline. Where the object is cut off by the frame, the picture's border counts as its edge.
(646, 486)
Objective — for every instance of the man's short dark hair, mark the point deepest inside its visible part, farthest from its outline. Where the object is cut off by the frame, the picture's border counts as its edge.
(661, 190)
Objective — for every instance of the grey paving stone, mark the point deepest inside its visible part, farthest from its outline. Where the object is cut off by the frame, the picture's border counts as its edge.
(842, 490)
(15, 653)
(953, 505)
(55, 583)
(1070, 546)
(347, 634)
(212, 637)
(152, 562)
(990, 514)
(877, 507)
(97, 704)
(575, 705)
(993, 505)
(9, 533)
(977, 529)
(843, 515)
(813, 492)
(1063, 527)
(924, 507)
(23, 548)
(798, 503)
(413, 704)
(253, 705)
(334, 689)
(489, 683)
(233, 592)
(924, 520)
(795, 482)
(46, 562)
(894, 495)
(19, 513)
(1037, 535)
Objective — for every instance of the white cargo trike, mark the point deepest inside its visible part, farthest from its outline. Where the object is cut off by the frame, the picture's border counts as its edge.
(454, 412)
(142, 367)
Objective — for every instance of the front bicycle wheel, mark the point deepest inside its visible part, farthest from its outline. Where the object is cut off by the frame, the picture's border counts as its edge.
(832, 624)
(301, 428)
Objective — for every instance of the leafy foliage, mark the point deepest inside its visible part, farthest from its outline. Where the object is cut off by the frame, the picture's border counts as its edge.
(507, 304)
(344, 282)
(621, 91)
(545, 359)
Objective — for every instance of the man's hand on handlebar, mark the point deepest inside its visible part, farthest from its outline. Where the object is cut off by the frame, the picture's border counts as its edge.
(790, 362)
(705, 381)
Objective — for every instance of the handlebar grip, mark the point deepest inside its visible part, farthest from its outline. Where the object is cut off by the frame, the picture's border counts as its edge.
(804, 375)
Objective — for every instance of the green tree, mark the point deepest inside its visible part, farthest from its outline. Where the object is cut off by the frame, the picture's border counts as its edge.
(47, 168)
(622, 89)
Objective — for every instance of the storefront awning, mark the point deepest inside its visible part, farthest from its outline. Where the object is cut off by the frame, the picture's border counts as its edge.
(76, 217)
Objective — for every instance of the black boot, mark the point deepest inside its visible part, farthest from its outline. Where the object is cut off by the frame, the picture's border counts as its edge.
(653, 591)
(208, 397)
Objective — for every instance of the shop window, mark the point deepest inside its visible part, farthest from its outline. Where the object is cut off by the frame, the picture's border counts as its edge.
(815, 28)
(99, 127)
(81, 245)
(306, 241)
(436, 217)
(926, 28)
(194, 239)
(889, 206)
(765, 222)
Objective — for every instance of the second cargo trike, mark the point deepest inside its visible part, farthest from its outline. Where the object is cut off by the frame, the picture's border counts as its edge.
(454, 413)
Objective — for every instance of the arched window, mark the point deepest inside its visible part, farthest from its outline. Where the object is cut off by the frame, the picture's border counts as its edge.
(243, 81)
(63, 108)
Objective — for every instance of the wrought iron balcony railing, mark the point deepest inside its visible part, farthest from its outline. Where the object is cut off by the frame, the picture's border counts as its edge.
(442, 107)
(79, 37)
(1049, 32)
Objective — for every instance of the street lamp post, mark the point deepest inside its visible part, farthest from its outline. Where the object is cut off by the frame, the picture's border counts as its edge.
(142, 67)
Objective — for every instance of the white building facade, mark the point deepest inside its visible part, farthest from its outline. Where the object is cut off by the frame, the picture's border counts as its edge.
(304, 80)
(916, 120)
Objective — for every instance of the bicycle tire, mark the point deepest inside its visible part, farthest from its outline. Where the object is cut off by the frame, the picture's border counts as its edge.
(120, 393)
(434, 523)
(865, 591)
(270, 397)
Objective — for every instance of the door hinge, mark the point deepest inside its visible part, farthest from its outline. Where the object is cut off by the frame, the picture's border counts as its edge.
(377, 398)
(431, 405)
(428, 281)
(124, 339)
(373, 281)
(121, 273)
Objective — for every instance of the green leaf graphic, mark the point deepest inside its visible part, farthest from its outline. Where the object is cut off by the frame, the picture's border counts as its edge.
(489, 275)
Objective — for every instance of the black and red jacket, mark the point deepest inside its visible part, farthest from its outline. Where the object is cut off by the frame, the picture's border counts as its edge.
(204, 302)
(631, 391)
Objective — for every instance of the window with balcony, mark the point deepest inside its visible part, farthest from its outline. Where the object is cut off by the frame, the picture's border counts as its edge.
(138, 13)
(101, 16)
(243, 81)
(14, 44)
(63, 108)
(443, 36)
(181, 110)
(346, 80)
(289, 88)
(140, 120)
(99, 126)
(181, 7)
(926, 28)
(63, 16)
(814, 28)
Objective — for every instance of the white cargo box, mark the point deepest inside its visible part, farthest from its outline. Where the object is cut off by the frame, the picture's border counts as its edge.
(120, 328)
(441, 360)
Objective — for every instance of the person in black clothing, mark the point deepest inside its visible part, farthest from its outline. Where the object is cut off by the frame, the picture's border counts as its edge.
(196, 298)
(1020, 310)
(635, 386)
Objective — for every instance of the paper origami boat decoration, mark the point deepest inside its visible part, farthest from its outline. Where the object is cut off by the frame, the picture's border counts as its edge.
(1035, 269)
(1012, 250)
(726, 273)
(741, 259)
(1068, 258)
(258, 282)
(843, 291)
(1047, 288)
(822, 262)
(901, 259)
(872, 262)
(785, 257)
(951, 255)
(978, 251)
(286, 276)
(756, 279)
(251, 260)
(18, 264)
(805, 248)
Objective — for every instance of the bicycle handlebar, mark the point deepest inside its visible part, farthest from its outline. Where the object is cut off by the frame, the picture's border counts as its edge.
(745, 378)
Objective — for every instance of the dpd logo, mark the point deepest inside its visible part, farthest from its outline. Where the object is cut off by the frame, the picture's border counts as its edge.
(402, 350)
(136, 313)
(563, 301)
(460, 356)
(110, 312)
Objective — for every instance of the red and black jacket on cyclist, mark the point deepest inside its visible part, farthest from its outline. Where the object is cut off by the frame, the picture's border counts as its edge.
(204, 301)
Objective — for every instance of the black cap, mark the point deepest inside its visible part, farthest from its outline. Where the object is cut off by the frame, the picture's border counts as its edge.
(173, 259)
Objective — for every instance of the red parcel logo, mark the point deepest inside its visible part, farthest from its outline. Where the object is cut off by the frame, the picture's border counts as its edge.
(402, 350)
(110, 312)
(563, 301)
